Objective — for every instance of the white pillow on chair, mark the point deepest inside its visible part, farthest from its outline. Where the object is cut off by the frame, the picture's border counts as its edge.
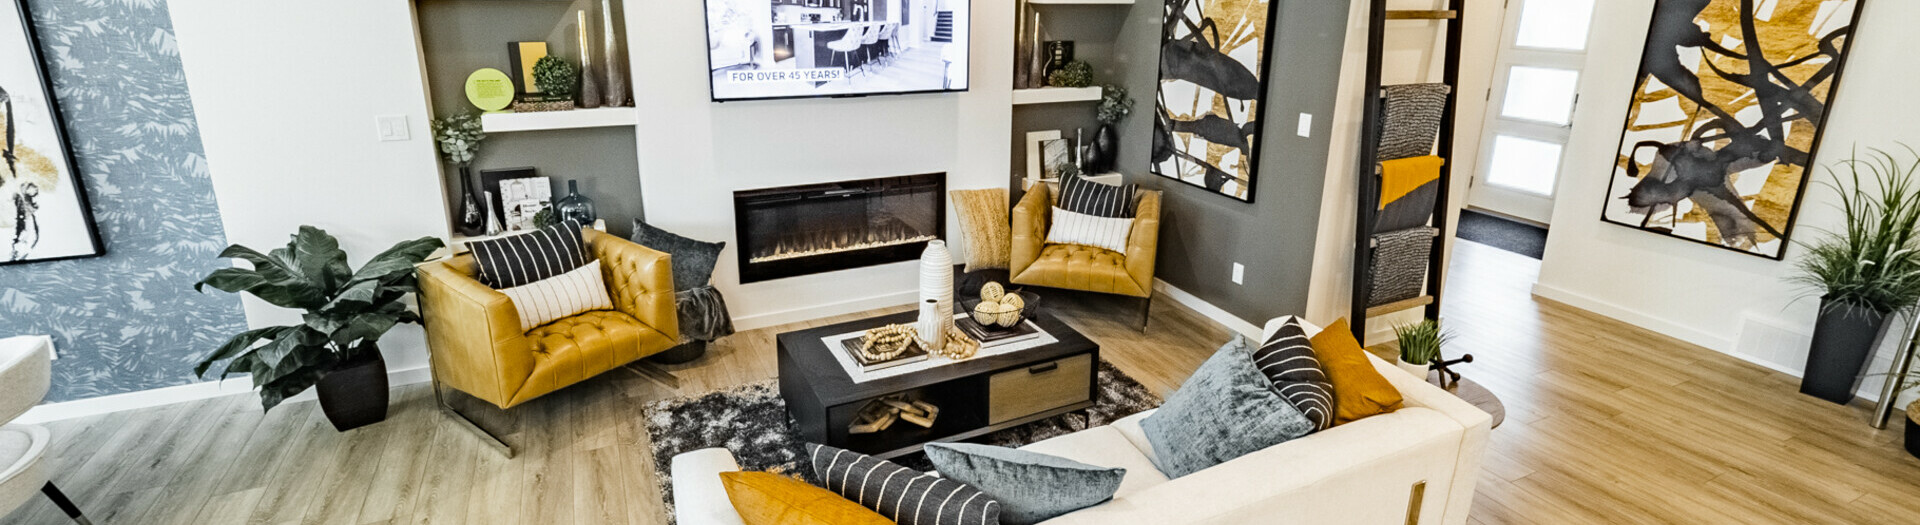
(1088, 230)
(565, 295)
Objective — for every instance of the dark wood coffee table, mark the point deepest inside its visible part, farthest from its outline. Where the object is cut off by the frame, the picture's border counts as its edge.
(976, 396)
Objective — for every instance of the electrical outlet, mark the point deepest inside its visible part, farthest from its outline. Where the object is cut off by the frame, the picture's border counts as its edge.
(1239, 273)
(391, 128)
(1306, 125)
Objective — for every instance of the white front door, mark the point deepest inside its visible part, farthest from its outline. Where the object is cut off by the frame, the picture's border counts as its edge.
(1530, 108)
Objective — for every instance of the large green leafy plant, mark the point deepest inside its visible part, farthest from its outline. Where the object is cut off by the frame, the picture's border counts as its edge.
(347, 310)
(1874, 262)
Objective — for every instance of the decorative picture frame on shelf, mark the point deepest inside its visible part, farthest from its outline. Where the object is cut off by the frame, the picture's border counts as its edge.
(523, 200)
(45, 214)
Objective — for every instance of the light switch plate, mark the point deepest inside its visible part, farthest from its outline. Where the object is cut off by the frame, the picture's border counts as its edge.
(1239, 273)
(1306, 125)
(392, 128)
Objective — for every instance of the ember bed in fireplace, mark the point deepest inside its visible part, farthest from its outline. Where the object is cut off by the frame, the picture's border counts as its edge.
(800, 230)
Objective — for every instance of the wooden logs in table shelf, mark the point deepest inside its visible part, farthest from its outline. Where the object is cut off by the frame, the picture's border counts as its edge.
(880, 414)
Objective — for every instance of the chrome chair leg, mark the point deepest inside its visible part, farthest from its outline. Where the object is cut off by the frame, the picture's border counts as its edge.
(486, 438)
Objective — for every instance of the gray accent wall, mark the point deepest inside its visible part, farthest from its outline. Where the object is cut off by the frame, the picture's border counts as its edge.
(460, 36)
(1202, 234)
(128, 321)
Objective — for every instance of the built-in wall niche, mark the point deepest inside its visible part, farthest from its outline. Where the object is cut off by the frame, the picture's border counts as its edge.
(800, 230)
(594, 146)
(1095, 27)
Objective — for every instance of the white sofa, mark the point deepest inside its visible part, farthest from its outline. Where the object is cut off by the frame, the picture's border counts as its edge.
(1365, 472)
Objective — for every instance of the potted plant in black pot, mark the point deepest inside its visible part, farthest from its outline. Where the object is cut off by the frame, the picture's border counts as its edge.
(1866, 273)
(346, 312)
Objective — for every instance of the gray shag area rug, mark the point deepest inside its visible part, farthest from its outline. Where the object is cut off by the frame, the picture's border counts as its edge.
(752, 422)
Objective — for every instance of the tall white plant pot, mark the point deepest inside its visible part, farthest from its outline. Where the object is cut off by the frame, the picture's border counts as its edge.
(936, 280)
(930, 329)
(1419, 371)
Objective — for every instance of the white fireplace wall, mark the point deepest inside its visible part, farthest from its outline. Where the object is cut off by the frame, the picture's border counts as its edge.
(695, 153)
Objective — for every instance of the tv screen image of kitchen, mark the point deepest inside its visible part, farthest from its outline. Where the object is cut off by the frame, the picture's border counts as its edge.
(768, 49)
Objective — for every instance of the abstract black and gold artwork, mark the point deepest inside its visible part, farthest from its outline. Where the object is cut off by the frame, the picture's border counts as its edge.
(1213, 71)
(1727, 113)
(44, 214)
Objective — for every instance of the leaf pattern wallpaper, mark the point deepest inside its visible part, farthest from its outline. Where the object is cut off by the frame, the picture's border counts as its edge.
(128, 321)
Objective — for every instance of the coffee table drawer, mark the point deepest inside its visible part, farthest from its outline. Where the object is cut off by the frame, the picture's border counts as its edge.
(1023, 392)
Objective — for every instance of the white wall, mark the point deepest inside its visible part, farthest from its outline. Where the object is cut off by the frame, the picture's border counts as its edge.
(1414, 52)
(286, 95)
(695, 153)
(1709, 296)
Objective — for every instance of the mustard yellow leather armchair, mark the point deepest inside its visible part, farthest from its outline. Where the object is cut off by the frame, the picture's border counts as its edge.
(1085, 268)
(476, 345)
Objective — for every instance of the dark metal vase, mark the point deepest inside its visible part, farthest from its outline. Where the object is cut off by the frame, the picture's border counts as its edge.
(354, 393)
(1104, 152)
(1843, 341)
(473, 218)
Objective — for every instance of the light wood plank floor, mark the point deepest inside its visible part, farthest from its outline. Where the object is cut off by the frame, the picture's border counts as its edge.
(1606, 424)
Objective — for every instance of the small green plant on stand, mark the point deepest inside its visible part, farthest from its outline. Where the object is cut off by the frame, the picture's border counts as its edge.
(1420, 345)
(1075, 74)
(556, 77)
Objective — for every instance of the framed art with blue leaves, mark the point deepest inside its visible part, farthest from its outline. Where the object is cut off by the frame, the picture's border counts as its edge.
(44, 213)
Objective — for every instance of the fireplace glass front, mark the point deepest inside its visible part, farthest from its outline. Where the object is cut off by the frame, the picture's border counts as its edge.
(801, 230)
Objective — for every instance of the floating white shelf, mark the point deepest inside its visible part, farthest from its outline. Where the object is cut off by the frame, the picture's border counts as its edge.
(1052, 95)
(542, 120)
(1096, 2)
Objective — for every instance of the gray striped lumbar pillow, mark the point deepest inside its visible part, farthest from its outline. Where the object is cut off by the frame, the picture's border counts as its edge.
(1287, 359)
(906, 496)
(521, 259)
(560, 296)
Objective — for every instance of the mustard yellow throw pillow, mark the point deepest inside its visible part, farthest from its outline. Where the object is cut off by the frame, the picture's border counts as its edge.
(988, 224)
(1358, 389)
(764, 498)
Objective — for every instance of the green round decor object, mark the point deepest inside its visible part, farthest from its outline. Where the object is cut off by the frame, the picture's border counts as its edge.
(489, 89)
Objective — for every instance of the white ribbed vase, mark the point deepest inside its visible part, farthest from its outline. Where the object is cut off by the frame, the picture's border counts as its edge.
(930, 328)
(936, 280)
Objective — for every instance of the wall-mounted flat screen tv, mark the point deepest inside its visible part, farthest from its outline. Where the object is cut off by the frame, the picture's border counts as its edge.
(769, 49)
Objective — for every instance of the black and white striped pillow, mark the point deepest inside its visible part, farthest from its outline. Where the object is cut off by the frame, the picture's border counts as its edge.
(906, 496)
(514, 261)
(1289, 363)
(1079, 195)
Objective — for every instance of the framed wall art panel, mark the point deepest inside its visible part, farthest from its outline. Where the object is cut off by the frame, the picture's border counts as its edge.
(1726, 116)
(1213, 76)
(44, 213)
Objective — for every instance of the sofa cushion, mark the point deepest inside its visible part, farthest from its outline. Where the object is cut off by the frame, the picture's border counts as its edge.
(1081, 195)
(1129, 428)
(1288, 361)
(764, 498)
(1359, 390)
(906, 496)
(984, 217)
(1106, 447)
(1226, 410)
(541, 302)
(1030, 486)
(576, 348)
(1082, 268)
(517, 260)
(693, 259)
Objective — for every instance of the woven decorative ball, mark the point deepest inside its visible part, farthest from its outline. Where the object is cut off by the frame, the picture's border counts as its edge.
(989, 312)
(1013, 301)
(1009, 316)
(992, 292)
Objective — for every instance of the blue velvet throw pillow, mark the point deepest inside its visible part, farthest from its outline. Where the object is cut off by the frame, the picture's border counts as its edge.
(1031, 487)
(693, 260)
(1226, 410)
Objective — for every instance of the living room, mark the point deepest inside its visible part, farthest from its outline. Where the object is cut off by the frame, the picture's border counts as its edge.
(481, 261)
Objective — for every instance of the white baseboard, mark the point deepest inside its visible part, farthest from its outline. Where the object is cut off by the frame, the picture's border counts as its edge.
(181, 394)
(750, 322)
(1630, 316)
(1208, 310)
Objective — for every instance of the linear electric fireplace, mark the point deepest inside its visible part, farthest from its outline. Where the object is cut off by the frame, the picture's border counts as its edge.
(800, 230)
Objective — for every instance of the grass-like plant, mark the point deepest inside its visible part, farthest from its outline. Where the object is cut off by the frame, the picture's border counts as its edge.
(1420, 342)
(1874, 260)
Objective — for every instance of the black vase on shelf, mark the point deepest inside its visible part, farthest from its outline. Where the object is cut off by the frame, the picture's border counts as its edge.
(575, 206)
(472, 217)
(1103, 154)
(1843, 339)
